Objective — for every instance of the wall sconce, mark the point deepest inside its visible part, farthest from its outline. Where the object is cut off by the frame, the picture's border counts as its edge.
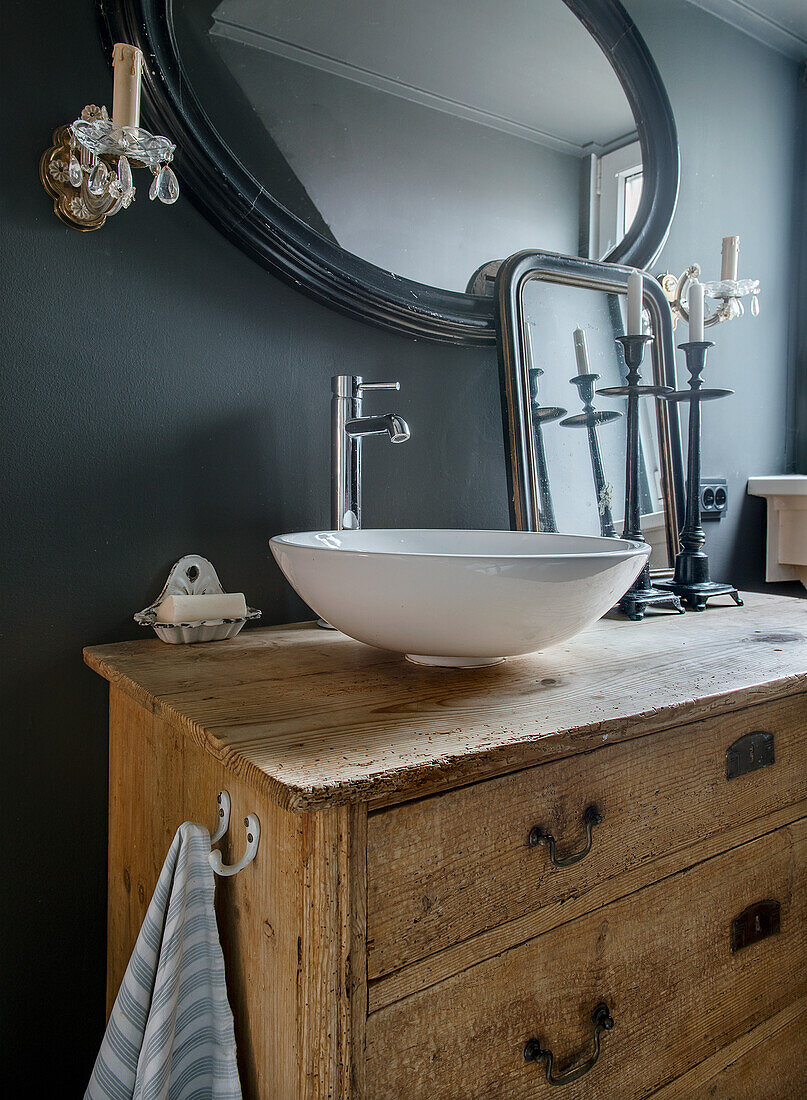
(728, 291)
(88, 169)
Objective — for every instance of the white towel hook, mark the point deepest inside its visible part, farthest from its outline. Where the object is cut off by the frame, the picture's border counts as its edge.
(253, 837)
(223, 800)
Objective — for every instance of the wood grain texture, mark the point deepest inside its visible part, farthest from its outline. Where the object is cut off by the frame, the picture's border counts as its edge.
(312, 719)
(448, 867)
(453, 960)
(767, 1063)
(290, 923)
(662, 961)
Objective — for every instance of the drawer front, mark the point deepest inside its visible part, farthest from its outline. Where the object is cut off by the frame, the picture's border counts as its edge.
(767, 1063)
(448, 867)
(661, 960)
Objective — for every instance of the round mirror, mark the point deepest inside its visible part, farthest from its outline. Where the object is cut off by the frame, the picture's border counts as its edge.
(382, 156)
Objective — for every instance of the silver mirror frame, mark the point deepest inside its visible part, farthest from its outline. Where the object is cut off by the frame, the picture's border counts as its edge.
(522, 478)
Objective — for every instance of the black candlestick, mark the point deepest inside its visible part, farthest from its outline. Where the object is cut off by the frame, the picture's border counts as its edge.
(590, 418)
(691, 580)
(542, 415)
(641, 593)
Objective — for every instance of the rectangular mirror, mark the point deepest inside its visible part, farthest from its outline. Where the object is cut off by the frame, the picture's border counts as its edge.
(558, 320)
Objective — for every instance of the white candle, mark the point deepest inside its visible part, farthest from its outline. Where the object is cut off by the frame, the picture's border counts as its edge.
(581, 351)
(695, 306)
(127, 62)
(635, 292)
(730, 258)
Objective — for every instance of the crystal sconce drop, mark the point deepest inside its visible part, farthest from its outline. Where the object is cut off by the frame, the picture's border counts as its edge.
(728, 291)
(88, 169)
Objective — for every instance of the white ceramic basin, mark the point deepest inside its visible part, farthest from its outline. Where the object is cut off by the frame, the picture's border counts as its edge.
(458, 598)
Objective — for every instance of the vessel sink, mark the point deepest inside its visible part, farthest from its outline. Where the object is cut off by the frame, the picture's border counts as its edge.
(458, 598)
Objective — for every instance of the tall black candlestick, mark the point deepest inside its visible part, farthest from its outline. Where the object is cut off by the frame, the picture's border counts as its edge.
(641, 593)
(691, 579)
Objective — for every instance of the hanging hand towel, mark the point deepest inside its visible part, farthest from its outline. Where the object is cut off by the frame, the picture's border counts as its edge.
(170, 1035)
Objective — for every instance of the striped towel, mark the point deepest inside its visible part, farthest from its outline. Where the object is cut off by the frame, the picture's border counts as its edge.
(170, 1035)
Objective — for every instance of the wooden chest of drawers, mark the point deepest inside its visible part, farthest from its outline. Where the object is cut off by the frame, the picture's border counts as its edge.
(598, 848)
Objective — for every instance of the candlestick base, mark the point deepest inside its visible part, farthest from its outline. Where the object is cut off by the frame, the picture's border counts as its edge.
(642, 594)
(696, 594)
(691, 580)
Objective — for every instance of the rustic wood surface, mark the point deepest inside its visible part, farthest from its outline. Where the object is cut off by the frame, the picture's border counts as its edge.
(453, 960)
(291, 923)
(444, 868)
(313, 719)
(660, 958)
(767, 1063)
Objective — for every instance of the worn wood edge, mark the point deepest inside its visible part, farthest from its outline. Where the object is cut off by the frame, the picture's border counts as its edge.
(691, 1083)
(419, 780)
(332, 972)
(381, 802)
(445, 964)
(355, 960)
(286, 796)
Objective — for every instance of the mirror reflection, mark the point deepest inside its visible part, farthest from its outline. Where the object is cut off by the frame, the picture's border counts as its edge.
(427, 139)
(579, 436)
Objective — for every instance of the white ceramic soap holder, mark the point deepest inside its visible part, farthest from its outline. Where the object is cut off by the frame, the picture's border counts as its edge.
(192, 576)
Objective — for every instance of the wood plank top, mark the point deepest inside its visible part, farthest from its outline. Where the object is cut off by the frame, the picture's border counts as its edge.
(313, 719)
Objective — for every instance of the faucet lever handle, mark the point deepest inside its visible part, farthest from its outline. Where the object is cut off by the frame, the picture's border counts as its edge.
(378, 386)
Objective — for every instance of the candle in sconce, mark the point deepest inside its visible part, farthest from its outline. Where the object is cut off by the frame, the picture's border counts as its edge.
(127, 62)
(730, 259)
(581, 351)
(695, 306)
(635, 293)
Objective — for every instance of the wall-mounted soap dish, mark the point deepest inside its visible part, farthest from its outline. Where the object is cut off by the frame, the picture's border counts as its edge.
(192, 576)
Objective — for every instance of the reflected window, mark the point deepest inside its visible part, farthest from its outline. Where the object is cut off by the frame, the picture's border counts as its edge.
(631, 197)
(617, 194)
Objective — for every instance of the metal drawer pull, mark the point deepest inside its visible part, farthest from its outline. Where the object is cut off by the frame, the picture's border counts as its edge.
(534, 1052)
(537, 836)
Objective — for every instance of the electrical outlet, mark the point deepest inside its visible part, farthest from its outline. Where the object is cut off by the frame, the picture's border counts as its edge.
(714, 497)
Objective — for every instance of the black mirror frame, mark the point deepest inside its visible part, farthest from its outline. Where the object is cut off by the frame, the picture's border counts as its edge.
(235, 203)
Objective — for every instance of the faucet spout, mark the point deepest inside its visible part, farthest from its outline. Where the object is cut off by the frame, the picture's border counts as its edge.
(348, 429)
(388, 423)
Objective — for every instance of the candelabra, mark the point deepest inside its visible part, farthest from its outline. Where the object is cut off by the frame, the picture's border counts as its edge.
(542, 415)
(691, 579)
(728, 291)
(590, 418)
(88, 169)
(642, 594)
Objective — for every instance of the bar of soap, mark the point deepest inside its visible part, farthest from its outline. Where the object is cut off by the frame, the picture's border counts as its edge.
(211, 605)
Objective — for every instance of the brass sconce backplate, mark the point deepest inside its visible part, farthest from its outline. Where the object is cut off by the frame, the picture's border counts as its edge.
(68, 201)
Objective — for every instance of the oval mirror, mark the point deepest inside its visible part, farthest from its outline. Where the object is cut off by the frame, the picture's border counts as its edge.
(382, 156)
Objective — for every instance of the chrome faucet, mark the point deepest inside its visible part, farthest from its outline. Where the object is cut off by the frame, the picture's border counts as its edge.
(348, 428)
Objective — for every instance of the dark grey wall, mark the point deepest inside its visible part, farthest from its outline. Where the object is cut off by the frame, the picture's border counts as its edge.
(739, 174)
(162, 395)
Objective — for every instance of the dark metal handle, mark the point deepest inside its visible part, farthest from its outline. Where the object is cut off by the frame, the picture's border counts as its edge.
(534, 1052)
(750, 752)
(537, 836)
